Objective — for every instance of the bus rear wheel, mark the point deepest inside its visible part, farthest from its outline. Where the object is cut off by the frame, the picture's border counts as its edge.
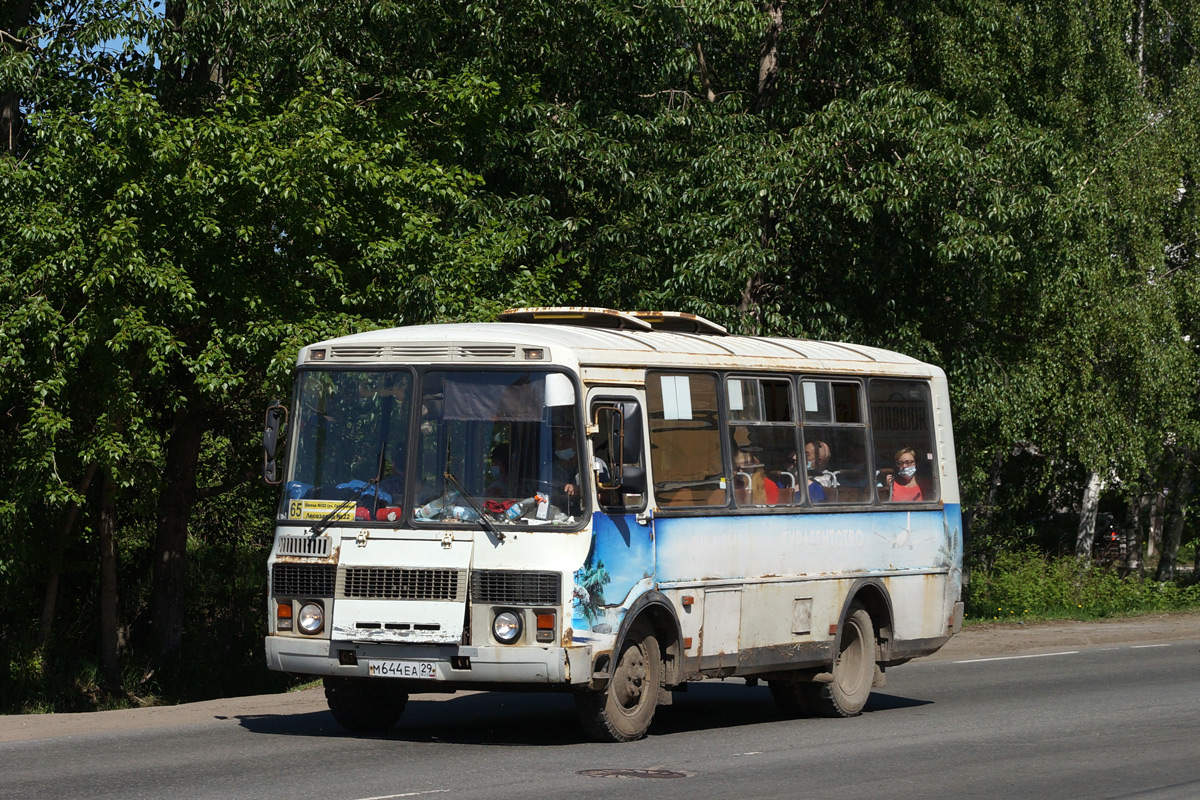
(364, 705)
(622, 713)
(853, 670)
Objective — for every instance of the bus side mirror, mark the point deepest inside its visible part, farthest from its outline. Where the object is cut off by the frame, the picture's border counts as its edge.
(273, 430)
(633, 480)
(611, 423)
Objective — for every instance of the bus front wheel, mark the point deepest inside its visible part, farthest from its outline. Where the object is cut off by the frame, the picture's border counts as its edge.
(364, 705)
(853, 670)
(622, 713)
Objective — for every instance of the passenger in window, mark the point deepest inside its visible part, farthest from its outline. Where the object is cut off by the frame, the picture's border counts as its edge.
(787, 478)
(821, 456)
(750, 480)
(903, 483)
(498, 487)
(566, 462)
(391, 485)
(566, 468)
(816, 492)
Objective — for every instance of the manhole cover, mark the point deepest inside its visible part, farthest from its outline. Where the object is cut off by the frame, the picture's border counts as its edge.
(631, 773)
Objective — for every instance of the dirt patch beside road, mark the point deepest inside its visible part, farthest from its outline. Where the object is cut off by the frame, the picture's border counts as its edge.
(977, 641)
(992, 639)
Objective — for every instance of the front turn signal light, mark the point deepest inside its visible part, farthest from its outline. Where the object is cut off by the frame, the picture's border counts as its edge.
(545, 626)
(283, 617)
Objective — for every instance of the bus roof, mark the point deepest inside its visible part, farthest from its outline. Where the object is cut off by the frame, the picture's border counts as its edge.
(572, 342)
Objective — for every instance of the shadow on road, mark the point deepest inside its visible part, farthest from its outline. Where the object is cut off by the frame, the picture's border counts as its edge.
(542, 720)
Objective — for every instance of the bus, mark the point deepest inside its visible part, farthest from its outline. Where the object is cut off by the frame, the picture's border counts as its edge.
(612, 504)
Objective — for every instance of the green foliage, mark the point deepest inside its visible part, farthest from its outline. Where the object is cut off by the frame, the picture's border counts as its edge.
(1007, 189)
(1027, 584)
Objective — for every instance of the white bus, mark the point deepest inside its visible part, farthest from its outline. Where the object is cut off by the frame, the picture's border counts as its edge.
(611, 504)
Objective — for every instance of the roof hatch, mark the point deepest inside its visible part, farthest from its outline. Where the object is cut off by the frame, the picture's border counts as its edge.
(593, 317)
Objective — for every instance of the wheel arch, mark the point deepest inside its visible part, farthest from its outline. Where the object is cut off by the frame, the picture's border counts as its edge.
(871, 594)
(655, 609)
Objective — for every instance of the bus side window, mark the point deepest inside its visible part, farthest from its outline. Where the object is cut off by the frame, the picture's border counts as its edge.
(835, 441)
(685, 443)
(762, 439)
(630, 495)
(902, 429)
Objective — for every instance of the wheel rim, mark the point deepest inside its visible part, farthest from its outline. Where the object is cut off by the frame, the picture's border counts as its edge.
(848, 669)
(630, 680)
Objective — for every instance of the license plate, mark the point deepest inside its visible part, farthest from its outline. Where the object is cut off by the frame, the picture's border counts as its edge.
(402, 669)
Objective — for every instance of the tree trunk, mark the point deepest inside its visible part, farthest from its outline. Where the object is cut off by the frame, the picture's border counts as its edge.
(1177, 502)
(710, 94)
(12, 121)
(1133, 535)
(1087, 517)
(1196, 562)
(106, 527)
(1145, 503)
(50, 598)
(768, 56)
(1139, 27)
(768, 79)
(1154, 543)
(174, 14)
(170, 545)
(995, 481)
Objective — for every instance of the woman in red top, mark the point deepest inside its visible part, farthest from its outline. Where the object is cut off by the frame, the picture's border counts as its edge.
(903, 483)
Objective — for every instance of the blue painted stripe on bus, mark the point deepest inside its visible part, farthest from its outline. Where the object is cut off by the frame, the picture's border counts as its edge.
(627, 558)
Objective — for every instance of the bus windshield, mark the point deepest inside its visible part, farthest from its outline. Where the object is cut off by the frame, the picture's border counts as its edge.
(351, 444)
(499, 444)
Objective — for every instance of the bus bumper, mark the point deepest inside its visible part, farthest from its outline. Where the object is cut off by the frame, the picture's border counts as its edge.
(445, 664)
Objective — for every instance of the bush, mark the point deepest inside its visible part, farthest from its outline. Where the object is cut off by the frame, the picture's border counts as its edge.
(1026, 584)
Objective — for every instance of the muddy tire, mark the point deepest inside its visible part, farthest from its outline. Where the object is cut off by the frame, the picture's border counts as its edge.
(623, 711)
(364, 705)
(853, 670)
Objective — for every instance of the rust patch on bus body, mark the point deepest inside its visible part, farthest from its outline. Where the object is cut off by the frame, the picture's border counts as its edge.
(332, 558)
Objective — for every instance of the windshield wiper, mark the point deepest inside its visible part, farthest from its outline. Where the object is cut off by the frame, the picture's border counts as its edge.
(320, 527)
(487, 524)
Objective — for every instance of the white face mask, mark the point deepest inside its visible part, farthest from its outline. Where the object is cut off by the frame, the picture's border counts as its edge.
(907, 472)
(808, 464)
(565, 453)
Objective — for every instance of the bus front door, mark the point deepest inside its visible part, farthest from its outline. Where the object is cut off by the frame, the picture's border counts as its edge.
(619, 566)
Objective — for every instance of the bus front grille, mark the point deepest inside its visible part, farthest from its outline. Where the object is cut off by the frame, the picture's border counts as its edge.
(303, 580)
(425, 352)
(317, 547)
(509, 587)
(399, 583)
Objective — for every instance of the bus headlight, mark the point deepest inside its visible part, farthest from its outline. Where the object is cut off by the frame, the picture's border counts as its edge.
(506, 627)
(311, 618)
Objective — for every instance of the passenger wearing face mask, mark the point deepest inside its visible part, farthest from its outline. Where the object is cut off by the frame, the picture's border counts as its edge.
(903, 484)
(498, 485)
(566, 466)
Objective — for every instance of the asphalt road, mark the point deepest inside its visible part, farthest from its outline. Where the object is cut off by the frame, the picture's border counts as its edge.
(1086, 721)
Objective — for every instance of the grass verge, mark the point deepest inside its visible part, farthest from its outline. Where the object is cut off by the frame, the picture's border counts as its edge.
(1027, 585)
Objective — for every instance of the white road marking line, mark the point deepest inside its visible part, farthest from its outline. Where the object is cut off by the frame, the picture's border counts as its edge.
(751, 753)
(1144, 646)
(1014, 658)
(406, 794)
